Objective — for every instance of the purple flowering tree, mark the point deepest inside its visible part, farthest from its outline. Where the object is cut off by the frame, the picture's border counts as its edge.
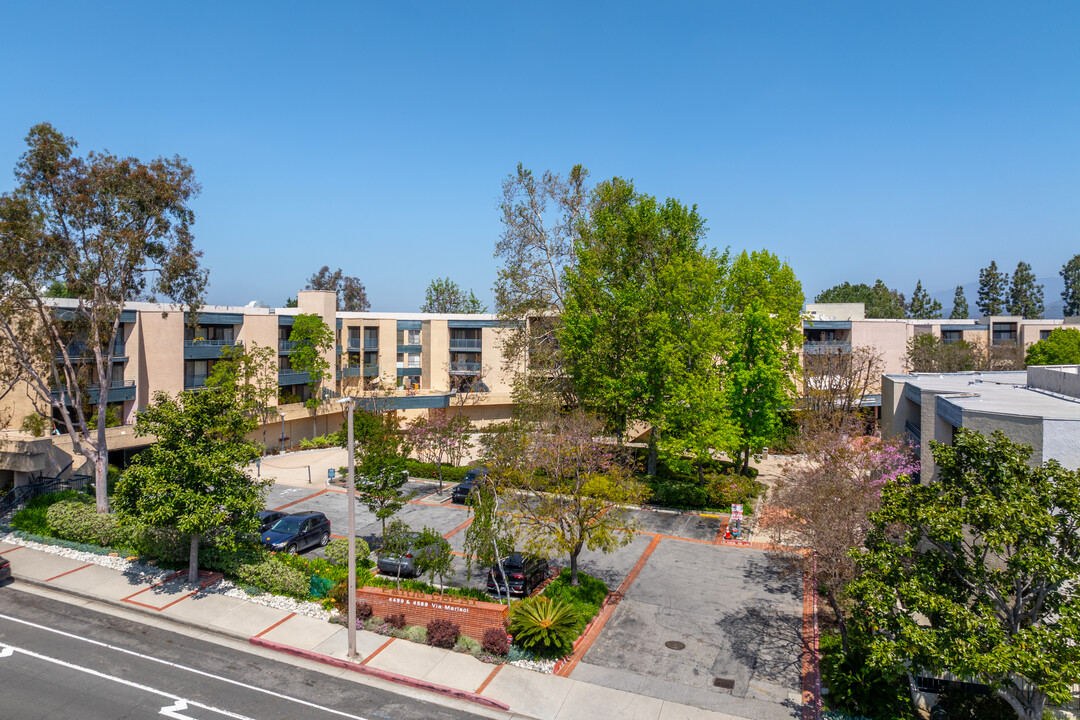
(440, 438)
(824, 502)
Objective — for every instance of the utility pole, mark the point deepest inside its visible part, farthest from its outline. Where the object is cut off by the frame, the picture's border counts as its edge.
(350, 492)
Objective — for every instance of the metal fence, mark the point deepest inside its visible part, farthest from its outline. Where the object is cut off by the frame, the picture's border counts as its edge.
(17, 498)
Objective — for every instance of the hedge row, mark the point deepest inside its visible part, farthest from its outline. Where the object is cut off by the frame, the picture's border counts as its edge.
(450, 474)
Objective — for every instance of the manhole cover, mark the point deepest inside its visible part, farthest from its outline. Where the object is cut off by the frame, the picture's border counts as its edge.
(675, 645)
(725, 683)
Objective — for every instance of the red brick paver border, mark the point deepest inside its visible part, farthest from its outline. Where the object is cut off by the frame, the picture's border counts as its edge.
(279, 622)
(54, 577)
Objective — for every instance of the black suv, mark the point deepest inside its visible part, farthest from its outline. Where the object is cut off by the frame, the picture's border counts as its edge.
(298, 532)
(523, 572)
(464, 489)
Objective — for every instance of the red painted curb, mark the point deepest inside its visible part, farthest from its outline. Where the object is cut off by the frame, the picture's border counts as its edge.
(383, 674)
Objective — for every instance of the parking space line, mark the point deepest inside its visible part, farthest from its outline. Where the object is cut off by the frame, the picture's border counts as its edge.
(54, 577)
(378, 650)
(279, 622)
(296, 502)
(459, 528)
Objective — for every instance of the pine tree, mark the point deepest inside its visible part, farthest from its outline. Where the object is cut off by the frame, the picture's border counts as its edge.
(922, 306)
(1025, 296)
(1070, 272)
(959, 305)
(992, 290)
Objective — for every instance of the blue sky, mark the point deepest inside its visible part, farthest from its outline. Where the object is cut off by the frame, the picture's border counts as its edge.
(899, 140)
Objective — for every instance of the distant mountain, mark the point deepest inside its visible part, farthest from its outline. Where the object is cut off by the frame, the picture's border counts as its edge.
(1052, 288)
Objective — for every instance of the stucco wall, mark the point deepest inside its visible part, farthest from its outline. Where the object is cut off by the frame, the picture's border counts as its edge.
(157, 355)
(888, 337)
(1019, 428)
(1061, 442)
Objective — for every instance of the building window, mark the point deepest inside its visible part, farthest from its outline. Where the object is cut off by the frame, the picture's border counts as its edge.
(1044, 334)
(465, 339)
(371, 338)
(952, 336)
(408, 337)
(1004, 333)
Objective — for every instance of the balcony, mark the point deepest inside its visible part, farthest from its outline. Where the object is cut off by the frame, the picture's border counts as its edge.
(408, 372)
(826, 347)
(466, 343)
(464, 368)
(119, 391)
(358, 344)
(77, 351)
(286, 346)
(194, 382)
(200, 349)
(357, 371)
(291, 377)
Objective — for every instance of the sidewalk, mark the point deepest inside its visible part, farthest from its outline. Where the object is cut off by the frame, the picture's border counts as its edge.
(510, 691)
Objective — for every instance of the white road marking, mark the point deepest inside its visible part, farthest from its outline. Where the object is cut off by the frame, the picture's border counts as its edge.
(129, 683)
(203, 673)
(173, 711)
(6, 652)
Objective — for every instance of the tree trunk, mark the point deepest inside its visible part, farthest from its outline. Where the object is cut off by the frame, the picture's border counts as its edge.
(841, 623)
(193, 560)
(746, 460)
(651, 463)
(438, 470)
(573, 566)
(101, 461)
(701, 473)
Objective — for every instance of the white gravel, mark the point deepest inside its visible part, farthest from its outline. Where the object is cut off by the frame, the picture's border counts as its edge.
(540, 666)
(149, 573)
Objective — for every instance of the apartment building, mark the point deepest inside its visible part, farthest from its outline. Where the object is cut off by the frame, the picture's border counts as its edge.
(414, 361)
(839, 327)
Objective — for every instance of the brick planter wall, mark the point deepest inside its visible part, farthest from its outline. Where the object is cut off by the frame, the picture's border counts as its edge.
(474, 616)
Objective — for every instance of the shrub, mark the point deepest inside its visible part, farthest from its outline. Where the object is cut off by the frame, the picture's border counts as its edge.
(730, 488)
(364, 610)
(857, 687)
(414, 633)
(442, 633)
(422, 587)
(322, 441)
(545, 626)
(466, 644)
(276, 578)
(495, 642)
(450, 474)
(165, 545)
(81, 547)
(34, 425)
(228, 562)
(32, 518)
(81, 522)
(586, 597)
(395, 620)
(337, 552)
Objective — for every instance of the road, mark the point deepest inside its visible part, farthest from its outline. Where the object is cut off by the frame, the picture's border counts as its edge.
(65, 661)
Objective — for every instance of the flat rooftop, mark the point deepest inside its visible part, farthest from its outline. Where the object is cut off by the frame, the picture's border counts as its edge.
(1002, 393)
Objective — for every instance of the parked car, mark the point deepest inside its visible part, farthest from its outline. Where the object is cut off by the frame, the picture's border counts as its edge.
(523, 573)
(392, 565)
(464, 489)
(297, 532)
(267, 518)
(5, 568)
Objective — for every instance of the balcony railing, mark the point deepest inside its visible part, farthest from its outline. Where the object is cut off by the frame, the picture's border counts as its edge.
(119, 390)
(466, 343)
(286, 345)
(213, 342)
(358, 371)
(465, 367)
(194, 381)
(822, 347)
(77, 350)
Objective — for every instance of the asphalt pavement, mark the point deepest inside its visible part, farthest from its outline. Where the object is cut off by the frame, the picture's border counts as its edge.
(63, 661)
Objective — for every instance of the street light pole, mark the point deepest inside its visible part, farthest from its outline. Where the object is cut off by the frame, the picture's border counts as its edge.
(350, 492)
(282, 433)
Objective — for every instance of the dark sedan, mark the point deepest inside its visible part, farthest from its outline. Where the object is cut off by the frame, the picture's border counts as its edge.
(298, 532)
(267, 518)
(523, 574)
(5, 568)
(464, 489)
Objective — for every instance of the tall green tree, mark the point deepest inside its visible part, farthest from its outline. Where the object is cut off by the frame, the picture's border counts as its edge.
(193, 478)
(879, 301)
(960, 309)
(922, 306)
(541, 219)
(992, 290)
(641, 315)
(380, 464)
(1070, 273)
(313, 338)
(764, 300)
(444, 295)
(489, 537)
(977, 572)
(928, 354)
(250, 374)
(1062, 347)
(351, 293)
(111, 229)
(1025, 295)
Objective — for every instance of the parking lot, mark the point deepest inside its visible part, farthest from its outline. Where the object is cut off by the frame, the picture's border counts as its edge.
(698, 621)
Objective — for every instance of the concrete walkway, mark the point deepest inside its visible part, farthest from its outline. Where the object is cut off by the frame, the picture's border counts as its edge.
(502, 690)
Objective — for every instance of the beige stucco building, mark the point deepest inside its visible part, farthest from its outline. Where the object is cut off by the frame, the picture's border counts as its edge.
(417, 361)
